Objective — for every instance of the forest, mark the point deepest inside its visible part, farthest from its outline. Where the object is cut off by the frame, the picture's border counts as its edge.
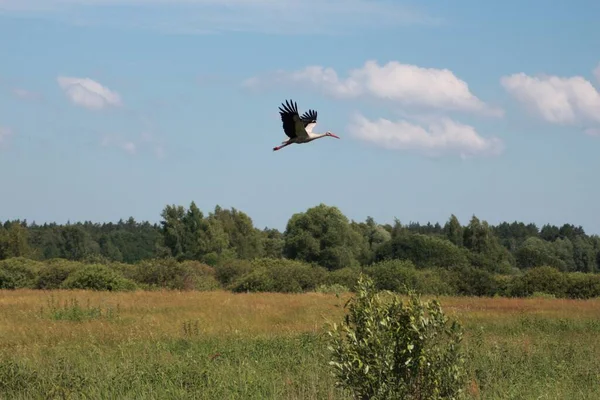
(320, 248)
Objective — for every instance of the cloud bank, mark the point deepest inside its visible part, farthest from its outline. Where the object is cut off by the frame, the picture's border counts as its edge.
(404, 84)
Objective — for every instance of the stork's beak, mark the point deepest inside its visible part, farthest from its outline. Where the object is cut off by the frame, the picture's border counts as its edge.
(335, 136)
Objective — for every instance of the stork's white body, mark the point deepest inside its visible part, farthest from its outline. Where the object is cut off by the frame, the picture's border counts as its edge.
(305, 139)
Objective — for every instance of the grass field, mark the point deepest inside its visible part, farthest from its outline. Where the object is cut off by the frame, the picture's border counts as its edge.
(219, 345)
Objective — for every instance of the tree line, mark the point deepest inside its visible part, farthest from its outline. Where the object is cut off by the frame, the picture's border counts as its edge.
(481, 256)
(321, 235)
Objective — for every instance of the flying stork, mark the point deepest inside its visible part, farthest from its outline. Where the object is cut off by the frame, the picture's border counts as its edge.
(299, 128)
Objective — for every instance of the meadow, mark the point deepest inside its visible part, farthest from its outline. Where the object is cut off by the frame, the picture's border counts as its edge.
(221, 345)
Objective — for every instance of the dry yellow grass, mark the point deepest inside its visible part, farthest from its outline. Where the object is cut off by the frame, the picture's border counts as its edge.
(522, 348)
(475, 307)
(156, 315)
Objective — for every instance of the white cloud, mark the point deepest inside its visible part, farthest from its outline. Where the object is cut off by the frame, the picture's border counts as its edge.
(204, 16)
(559, 100)
(4, 134)
(406, 84)
(88, 93)
(439, 137)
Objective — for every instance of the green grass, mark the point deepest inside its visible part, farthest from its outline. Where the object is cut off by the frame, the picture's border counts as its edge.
(535, 358)
(71, 310)
(218, 345)
(209, 368)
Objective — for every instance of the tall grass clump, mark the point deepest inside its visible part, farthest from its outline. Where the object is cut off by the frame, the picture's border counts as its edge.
(72, 310)
(385, 349)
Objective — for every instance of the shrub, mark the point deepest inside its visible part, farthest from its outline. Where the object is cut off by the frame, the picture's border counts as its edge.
(290, 276)
(401, 276)
(347, 277)
(435, 281)
(540, 279)
(129, 271)
(258, 280)
(229, 271)
(387, 350)
(199, 276)
(97, 277)
(471, 281)
(18, 272)
(170, 274)
(393, 275)
(55, 272)
(582, 286)
(158, 273)
(7, 281)
(279, 275)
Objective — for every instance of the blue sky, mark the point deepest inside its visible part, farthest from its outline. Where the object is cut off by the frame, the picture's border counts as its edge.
(112, 108)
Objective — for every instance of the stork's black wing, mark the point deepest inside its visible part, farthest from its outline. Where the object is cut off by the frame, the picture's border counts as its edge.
(293, 125)
(309, 117)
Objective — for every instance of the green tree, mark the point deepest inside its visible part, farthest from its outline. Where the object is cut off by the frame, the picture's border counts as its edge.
(273, 243)
(454, 231)
(109, 250)
(595, 240)
(374, 235)
(191, 236)
(584, 255)
(173, 229)
(323, 235)
(193, 230)
(76, 243)
(536, 252)
(549, 233)
(214, 241)
(486, 250)
(243, 237)
(14, 241)
(423, 250)
(562, 248)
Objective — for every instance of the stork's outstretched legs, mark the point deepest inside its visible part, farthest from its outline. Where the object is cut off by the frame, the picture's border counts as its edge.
(281, 147)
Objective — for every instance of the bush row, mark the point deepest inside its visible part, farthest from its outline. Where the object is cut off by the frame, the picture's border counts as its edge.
(289, 276)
